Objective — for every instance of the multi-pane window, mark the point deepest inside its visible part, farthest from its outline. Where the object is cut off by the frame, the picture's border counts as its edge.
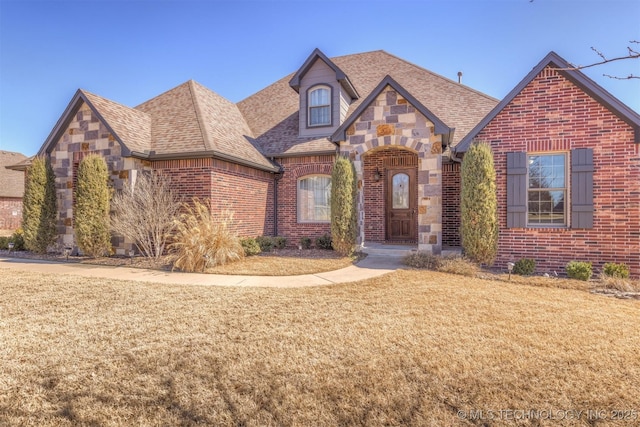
(547, 189)
(314, 199)
(319, 106)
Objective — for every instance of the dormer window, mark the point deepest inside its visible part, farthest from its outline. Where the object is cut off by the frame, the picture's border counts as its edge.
(319, 110)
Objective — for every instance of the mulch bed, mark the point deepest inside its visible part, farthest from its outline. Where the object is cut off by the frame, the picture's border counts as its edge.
(164, 263)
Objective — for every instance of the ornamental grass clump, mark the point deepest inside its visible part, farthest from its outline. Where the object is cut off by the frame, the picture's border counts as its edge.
(203, 240)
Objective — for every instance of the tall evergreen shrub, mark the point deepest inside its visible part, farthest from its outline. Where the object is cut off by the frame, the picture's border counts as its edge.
(343, 206)
(478, 210)
(91, 210)
(39, 206)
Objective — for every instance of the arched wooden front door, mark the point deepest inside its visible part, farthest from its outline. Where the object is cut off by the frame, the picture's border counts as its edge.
(401, 205)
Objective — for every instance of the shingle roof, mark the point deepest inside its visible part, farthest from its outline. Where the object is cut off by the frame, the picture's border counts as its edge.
(272, 113)
(132, 127)
(11, 181)
(192, 119)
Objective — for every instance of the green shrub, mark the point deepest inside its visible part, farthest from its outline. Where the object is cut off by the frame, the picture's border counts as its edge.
(17, 238)
(91, 210)
(279, 242)
(323, 242)
(203, 240)
(250, 246)
(305, 242)
(266, 243)
(478, 207)
(39, 209)
(524, 267)
(621, 271)
(423, 260)
(4, 242)
(579, 270)
(344, 213)
(456, 264)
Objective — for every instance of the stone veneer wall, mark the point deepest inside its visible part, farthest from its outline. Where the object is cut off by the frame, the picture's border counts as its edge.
(87, 134)
(10, 213)
(391, 121)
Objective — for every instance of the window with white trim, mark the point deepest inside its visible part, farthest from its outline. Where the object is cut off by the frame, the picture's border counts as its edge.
(319, 106)
(314, 198)
(547, 189)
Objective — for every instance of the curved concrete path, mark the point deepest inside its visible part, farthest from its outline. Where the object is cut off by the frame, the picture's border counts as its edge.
(371, 266)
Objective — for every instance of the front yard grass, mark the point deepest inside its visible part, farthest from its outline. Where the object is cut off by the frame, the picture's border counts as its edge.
(284, 262)
(408, 348)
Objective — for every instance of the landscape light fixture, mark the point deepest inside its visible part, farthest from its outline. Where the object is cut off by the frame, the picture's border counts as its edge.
(11, 245)
(510, 266)
(67, 251)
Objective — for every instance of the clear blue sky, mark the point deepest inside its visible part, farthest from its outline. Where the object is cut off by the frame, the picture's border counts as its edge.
(130, 51)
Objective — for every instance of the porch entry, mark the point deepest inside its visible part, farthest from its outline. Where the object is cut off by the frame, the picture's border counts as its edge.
(401, 213)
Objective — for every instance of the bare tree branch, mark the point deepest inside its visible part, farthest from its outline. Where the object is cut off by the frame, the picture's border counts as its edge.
(631, 54)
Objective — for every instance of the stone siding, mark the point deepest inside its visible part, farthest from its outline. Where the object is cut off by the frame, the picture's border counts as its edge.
(84, 135)
(391, 121)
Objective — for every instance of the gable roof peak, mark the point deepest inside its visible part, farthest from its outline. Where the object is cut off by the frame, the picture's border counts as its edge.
(341, 76)
(575, 76)
(440, 126)
(130, 128)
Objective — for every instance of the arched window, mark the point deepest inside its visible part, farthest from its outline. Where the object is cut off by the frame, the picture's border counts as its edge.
(319, 106)
(314, 198)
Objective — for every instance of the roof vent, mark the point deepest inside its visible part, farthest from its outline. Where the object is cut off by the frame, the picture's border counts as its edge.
(459, 76)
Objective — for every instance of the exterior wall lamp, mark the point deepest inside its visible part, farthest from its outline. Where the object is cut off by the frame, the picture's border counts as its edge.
(377, 175)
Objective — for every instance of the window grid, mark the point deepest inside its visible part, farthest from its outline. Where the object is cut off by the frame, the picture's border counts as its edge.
(547, 189)
(319, 106)
(314, 199)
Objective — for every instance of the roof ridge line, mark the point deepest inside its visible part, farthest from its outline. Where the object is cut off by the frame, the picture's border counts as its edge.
(440, 76)
(199, 116)
(85, 92)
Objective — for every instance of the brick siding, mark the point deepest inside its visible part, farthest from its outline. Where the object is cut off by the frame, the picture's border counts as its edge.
(552, 114)
(246, 192)
(451, 204)
(295, 168)
(10, 213)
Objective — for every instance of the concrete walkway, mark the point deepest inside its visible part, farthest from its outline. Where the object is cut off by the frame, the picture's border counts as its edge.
(371, 266)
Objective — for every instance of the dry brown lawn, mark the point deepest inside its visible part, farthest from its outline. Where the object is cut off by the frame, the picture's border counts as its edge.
(289, 263)
(409, 348)
(283, 262)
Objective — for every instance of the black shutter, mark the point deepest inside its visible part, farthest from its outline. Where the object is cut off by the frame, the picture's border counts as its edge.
(516, 190)
(582, 188)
